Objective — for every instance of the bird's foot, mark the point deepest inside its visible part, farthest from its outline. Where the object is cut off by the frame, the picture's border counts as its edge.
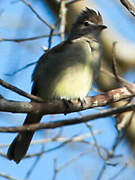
(67, 103)
(82, 101)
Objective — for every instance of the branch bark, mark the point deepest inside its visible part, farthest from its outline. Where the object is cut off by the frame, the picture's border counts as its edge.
(129, 6)
(72, 121)
(58, 106)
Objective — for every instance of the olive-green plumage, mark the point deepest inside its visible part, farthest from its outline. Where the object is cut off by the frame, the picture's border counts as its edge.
(65, 71)
(62, 75)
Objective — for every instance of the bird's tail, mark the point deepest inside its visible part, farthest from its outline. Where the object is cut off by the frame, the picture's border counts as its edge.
(20, 144)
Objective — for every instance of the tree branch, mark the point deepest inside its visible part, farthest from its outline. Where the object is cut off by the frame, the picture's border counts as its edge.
(18, 40)
(129, 6)
(38, 16)
(58, 106)
(19, 91)
(72, 121)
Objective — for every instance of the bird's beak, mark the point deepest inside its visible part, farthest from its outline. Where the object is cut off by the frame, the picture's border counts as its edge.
(101, 27)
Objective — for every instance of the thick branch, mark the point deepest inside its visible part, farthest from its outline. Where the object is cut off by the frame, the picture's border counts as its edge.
(55, 124)
(130, 7)
(58, 106)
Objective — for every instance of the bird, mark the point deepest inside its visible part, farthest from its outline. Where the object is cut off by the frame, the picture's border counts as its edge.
(66, 71)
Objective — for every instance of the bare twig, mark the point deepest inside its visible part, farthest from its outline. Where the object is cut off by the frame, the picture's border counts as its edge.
(6, 176)
(96, 143)
(19, 91)
(21, 69)
(58, 169)
(72, 160)
(72, 121)
(102, 171)
(100, 151)
(38, 16)
(110, 155)
(3, 155)
(18, 40)
(119, 173)
(116, 143)
(53, 149)
(51, 35)
(34, 164)
(55, 169)
(129, 6)
(79, 138)
(49, 150)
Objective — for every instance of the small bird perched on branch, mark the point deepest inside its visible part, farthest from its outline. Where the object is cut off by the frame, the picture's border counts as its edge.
(66, 71)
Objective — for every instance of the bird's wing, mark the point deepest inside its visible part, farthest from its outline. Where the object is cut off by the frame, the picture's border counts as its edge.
(49, 56)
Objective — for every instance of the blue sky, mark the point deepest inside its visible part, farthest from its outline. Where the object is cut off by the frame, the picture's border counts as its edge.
(17, 21)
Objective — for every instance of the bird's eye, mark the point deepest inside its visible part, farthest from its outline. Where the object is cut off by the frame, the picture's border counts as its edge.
(86, 23)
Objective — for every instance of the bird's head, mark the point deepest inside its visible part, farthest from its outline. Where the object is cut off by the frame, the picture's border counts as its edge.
(89, 22)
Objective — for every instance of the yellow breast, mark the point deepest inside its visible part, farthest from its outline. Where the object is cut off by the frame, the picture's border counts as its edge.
(75, 82)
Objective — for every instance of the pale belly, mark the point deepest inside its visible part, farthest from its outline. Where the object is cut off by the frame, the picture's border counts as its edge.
(74, 83)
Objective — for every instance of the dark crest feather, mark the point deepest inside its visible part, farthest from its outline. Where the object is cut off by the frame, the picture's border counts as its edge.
(90, 15)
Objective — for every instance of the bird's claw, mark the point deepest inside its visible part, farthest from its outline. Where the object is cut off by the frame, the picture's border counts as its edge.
(82, 101)
(67, 103)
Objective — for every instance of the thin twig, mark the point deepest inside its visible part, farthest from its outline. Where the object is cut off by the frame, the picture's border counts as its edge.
(38, 16)
(19, 91)
(49, 150)
(79, 138)
(21, 69)
(58, 169)
(102, 171)
(51, 35)
(55, 169)
(110, 155)
(116, 143)
(72, 160)
(34, 164)
(37, 159)
(96, 143)
(19, 40)
(6, 176)
(119, 173)
(3, 155)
